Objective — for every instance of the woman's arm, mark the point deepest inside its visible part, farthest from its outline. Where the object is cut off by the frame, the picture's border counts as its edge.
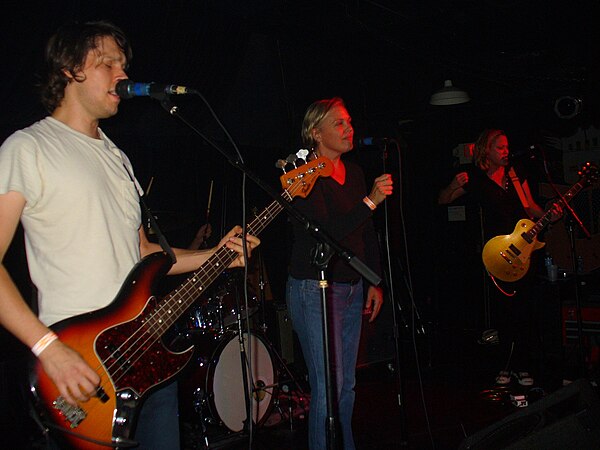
(454, 190)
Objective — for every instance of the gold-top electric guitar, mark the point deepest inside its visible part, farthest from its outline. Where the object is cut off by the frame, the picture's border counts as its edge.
(122, 341)
(508, 257)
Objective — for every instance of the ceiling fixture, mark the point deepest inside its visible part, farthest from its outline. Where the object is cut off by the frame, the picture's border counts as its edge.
(567, 107)
(449, 95)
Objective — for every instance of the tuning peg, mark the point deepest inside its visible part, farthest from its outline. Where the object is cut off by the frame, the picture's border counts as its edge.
(302, 153)
(280, 164)
(291, 159)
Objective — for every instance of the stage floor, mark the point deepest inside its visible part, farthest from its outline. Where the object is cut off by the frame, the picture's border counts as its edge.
(449, 396)
(448, 402)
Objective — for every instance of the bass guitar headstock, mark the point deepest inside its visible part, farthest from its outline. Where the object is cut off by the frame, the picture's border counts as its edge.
(306, 169)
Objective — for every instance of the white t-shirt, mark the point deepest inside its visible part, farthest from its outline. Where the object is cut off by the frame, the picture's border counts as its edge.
(81, 218)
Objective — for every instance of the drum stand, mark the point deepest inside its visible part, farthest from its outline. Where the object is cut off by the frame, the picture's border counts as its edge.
(198, 401)
(281, 363)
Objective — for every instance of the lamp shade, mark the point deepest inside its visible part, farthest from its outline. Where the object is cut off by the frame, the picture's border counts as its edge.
(449, 95)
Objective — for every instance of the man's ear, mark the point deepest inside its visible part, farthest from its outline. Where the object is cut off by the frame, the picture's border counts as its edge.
(67, 74)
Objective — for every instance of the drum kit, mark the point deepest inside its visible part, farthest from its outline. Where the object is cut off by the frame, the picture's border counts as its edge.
(234, 374)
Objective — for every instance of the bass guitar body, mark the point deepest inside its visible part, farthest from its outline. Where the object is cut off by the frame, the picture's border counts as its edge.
(123, 342)
(508, 257)
(130, 360)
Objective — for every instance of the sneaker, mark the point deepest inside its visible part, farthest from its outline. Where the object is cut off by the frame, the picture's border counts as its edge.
(503, 377)
(524, 378)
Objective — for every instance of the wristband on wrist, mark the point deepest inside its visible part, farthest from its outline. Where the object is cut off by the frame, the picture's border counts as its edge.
(369, 203)
(43, 343)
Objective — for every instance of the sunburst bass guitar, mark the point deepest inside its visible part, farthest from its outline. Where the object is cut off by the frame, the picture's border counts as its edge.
(122, 341)
(508, 257)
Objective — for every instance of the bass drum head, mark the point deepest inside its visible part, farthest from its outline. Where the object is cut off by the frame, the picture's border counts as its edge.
(227, 385)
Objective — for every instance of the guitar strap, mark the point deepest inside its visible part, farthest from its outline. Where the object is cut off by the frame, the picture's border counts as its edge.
(153, 224)
(517, 184)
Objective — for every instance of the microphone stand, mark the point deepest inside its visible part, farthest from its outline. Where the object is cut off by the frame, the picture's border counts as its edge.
(570, 220)
(311, 226)
(322, 255)
(390, 285)
(574, 218)
(263, 327)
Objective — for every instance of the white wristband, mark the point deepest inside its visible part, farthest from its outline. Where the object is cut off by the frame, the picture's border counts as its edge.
(369, 203)
(43, 343)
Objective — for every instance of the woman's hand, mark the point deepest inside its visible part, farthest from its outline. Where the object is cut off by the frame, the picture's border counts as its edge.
(374, 302)
(382, 187)
(556, 211)
(459, 180)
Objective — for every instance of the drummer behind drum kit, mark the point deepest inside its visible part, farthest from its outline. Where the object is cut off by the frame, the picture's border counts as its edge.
(212, 391)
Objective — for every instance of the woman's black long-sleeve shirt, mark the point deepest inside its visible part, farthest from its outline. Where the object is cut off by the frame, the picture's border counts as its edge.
(341, 212)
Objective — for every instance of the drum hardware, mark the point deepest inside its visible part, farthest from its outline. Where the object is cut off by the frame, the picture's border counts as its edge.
(237, 376)
(247, 378)
(287, 404)
(212, 315)
(198, 400)
(263, 327)
(258, 393)
(213, 392)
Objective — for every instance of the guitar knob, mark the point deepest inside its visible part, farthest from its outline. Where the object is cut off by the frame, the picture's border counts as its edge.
(280, 164)
(302, 154)
(101, 394)
(291, 159)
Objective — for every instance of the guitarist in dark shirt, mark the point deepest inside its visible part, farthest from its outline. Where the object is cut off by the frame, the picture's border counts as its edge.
(505, 197)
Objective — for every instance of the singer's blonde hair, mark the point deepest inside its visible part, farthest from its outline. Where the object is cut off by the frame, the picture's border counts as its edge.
(313, 117)
(483, 145)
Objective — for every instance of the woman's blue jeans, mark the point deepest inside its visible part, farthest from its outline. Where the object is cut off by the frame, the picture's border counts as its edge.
(345, 304)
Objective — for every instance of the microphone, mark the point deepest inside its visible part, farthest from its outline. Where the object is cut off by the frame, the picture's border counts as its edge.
(369, 141)
(529, 153)
(128, 89)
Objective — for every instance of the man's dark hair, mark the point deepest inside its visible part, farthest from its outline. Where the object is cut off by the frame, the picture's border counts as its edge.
(66, 52)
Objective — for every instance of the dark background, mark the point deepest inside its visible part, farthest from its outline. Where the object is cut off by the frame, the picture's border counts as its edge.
(261, 63)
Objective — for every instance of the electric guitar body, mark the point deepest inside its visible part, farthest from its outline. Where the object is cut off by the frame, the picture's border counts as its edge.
(508, 257)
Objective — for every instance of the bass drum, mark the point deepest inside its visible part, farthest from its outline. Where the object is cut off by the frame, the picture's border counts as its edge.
(220, 383)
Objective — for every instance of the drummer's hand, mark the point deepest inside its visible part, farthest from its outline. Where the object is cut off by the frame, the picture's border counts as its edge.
(232, 241)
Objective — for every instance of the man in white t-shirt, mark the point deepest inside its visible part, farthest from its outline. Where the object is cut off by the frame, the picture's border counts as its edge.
(74, 192)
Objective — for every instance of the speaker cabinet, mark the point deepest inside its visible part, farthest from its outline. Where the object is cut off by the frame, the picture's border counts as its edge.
(280, 330)
(566, 419)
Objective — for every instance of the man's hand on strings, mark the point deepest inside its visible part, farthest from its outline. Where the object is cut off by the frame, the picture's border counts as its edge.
(233, 241)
